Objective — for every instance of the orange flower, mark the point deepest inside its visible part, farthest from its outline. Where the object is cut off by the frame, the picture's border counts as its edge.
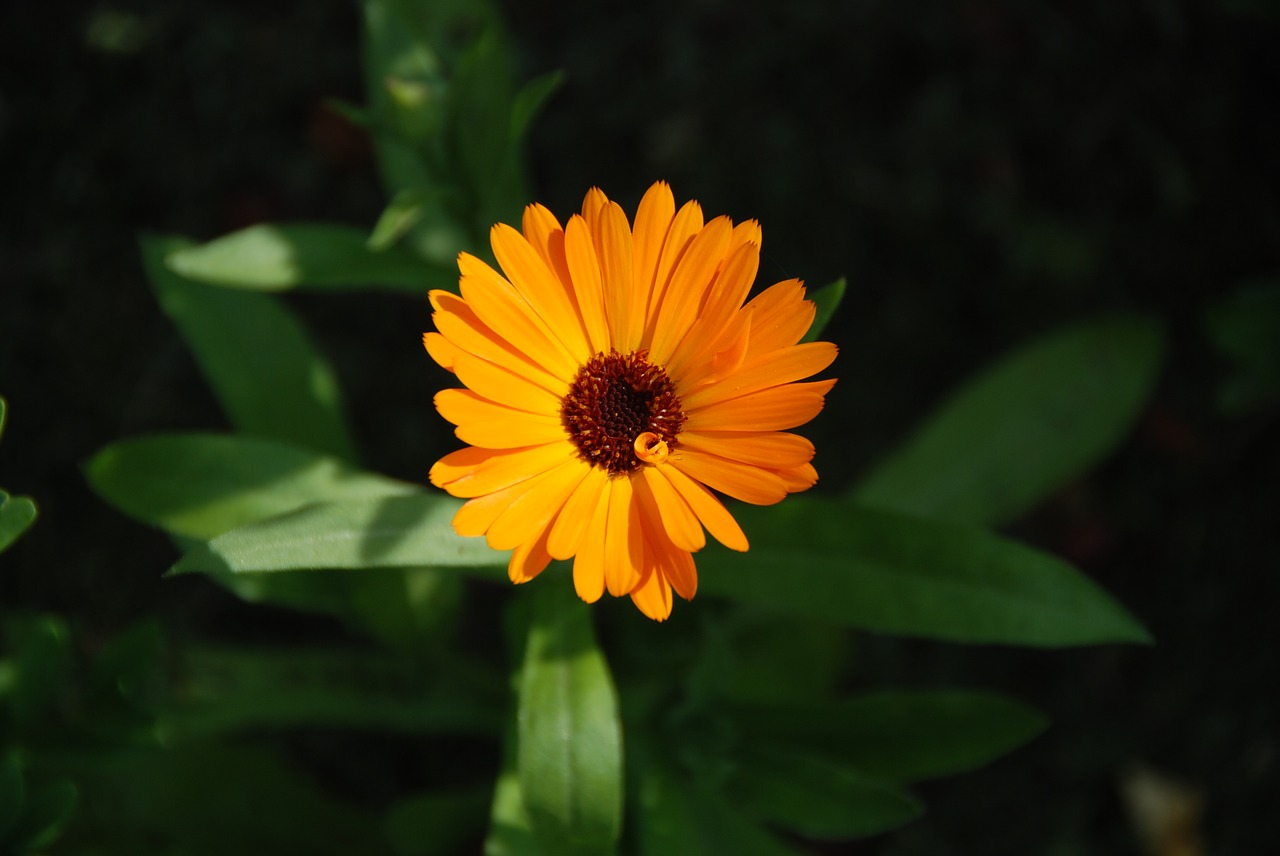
(612, 376)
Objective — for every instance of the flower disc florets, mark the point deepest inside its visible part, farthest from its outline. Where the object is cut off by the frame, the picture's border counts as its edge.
(613, 400)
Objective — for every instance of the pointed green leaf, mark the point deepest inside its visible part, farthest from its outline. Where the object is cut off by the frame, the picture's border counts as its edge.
(269, 377)
(900, 736)
(828, 300)
(17, 513)
(386, 532)
(893, 573)
(570, 735)
(201, 485)
(530, 100)
(305, 255)
(232, 691)
(817, 797)
(1021, 430)
(683, 818)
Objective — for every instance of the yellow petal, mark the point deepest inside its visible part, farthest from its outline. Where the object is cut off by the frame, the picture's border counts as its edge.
(714, 516)
(771, 449)
(588, 564)
(689, 283)
(623, 549)
(732, 478)
(540, 287)
(763, 371)
(774, 409)
(570, 527)
(584, 271)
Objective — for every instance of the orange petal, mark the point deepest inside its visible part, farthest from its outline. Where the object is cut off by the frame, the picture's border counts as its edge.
(624, 304)
(653, 218)
(774, 409)
(733, 478)
(505, 386)
(661, 502)
(623, 549)
(540, 226)
(571, 526)
(440, 349)
(782, 316)
(528, 517)
(540, 287)
(772, 449)
(588, 564)
(501, 469)
(783, 365)
(684, 226)
(591, 205)
(652, 595)
(476, 516)
(689, 283)
(528, 560)
(463, 328)
(588, 286)
(798, 478)
(723, 302)
(710, 511)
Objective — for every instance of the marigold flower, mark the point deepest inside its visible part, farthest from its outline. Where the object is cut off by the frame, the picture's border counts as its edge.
(614, 377)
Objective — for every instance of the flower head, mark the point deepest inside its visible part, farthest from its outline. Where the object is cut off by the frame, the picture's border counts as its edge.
(613, 378)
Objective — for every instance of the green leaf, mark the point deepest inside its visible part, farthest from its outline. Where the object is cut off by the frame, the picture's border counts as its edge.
(510, 830)
(892, 573)
(212, 799)
(570, 735)
(679, 817)
(260, 362)
(305, 255)
(201, 485)
(530, 101)
(1025, 427)
(17, 513)
(1246, 328)
(430, 824)
(401, 214)
(828, 300)
(900, 736)
(48, 811)
(4, 407)
(386, 532)
(817, 797)
(13, 794)
(237, 690)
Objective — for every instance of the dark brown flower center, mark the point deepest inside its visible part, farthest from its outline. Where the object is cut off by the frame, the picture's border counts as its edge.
(614, 399)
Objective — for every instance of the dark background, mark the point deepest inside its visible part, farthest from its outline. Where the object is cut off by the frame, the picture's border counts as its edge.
(981, 172)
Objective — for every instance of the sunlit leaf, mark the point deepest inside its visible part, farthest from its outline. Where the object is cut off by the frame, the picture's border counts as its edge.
(261, 364)
(201, 485)
(900, 736)
(818, 797)
(570, 736)
(894, 573)
(1023, 428)
(828, 300)
(386, 532)
(305, 255)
